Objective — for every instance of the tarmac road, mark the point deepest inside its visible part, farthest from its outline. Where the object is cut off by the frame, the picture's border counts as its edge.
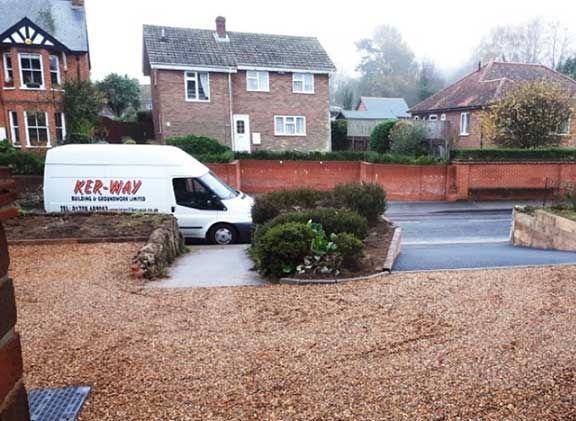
(440, 235)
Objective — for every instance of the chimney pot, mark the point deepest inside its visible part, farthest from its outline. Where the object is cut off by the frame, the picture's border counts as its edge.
(79, 3)
(221, 26)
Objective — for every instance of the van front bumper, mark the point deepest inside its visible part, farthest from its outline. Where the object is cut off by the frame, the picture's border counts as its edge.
(244, 232)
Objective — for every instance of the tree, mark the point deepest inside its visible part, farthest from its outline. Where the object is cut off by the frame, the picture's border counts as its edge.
(343, 91)
(388, 67)
(530, 115)
(409, 139)
(534, 41)
(380, 136)
(429, 81)
(121, 93)
(569, 67)
(82, 105)
(339, 129)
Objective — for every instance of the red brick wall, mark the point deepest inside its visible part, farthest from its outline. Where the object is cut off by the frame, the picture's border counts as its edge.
(174, 116)
(13, 398)
(47, 100)
(401, 182)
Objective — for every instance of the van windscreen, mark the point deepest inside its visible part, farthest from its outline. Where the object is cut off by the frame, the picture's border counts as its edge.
(218, 187)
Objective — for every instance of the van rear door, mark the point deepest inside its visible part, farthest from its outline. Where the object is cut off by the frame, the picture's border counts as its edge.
(195, 206)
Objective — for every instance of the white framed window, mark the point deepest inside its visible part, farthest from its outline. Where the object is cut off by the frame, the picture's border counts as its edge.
(442, 117)
(54, 70)
(8, 70)
(564, 129)
(303, 83)
(14, 128)
(433, 117)
(416, 117)
(257, 81)
(31, 71)
(289, 125)
(60, 126)
(464, 124)
(197, 85)
(37, 133)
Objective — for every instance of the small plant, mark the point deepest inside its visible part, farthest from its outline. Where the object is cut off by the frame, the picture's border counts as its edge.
(323, 258)
(350, 248)
(127, 140)
(273, 204)
(568, 196)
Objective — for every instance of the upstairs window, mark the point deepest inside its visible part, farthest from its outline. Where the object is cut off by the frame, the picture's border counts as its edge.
(8, 70)
(464, 124)
(289, 126)
(14, 128)
(37, 128)
(257, 81)
(197, 86)
(60, 125)
(31, 71)
(303, 83)
(433, 117)
(54, 71)
(564, 128)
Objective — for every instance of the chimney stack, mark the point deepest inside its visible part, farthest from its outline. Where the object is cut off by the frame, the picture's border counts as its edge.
(221, 27)
(79, 3)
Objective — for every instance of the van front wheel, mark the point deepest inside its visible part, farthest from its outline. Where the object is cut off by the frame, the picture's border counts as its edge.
(222, 234)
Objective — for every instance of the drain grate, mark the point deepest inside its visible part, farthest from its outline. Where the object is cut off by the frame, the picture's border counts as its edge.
(57, 404)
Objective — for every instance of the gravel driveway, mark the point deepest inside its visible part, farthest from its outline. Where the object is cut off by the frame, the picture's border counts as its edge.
(493, 344)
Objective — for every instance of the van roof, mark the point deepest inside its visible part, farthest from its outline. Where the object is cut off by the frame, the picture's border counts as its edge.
(125, 155)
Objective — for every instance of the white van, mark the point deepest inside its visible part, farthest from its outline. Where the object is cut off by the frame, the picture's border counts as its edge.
(146, 178)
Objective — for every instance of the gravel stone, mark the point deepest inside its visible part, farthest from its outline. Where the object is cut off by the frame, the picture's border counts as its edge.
(491, 344)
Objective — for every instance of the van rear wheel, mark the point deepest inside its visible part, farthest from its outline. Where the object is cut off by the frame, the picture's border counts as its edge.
(222, 234)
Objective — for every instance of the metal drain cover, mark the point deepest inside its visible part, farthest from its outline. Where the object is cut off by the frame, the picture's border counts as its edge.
(57, 404)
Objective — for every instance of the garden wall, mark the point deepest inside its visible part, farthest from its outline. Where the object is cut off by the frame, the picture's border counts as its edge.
(544, 230)
(13, 397)
(458, 181)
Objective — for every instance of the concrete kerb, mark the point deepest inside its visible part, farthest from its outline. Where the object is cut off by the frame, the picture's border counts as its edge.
(391, 255)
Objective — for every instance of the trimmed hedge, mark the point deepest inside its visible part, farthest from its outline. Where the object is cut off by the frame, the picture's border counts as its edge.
(203, 148)
(367, 199)
(23, 163)
(272, 204)
(553, 154)
(282, 249)
(334, 221)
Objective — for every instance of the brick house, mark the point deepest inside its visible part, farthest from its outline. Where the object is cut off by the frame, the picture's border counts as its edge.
(461, 104)
(249, 91)
(43, 44)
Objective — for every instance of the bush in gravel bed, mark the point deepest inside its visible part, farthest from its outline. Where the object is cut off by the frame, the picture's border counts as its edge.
(368, 199)
(22, 163)
(334, 221)
(350, 248)
(282, 248)
(273, 204)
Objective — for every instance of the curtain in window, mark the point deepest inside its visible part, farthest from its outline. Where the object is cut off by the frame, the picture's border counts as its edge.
(203, 88)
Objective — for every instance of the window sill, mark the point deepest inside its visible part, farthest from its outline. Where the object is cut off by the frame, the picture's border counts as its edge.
(303, 92)
(464, 134)
(25, 88)
(258, 90)
(39, 147)
(57, 90)
(290, 135)
(197, 100)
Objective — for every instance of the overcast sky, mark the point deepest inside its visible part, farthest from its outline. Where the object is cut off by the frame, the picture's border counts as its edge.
(445, 31)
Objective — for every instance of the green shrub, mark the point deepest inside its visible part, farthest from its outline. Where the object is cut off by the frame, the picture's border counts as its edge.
(198, 145)
(339, 131)
(350, 248)
(23, 163)
(380, 136)
(77, 139)
(282, 249)
(6, 147)
(513, 154)
(368, 199)
(334, 221)
(272, 204)
(409, 139)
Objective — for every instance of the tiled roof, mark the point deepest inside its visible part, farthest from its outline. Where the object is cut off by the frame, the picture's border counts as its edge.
(387, 107)
(482, 87)
(58, 18)
(199, 47)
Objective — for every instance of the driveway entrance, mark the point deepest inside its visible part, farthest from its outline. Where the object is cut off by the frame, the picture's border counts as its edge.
(441, 235)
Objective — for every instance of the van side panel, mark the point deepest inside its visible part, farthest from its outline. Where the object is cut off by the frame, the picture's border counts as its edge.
(99, 188)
